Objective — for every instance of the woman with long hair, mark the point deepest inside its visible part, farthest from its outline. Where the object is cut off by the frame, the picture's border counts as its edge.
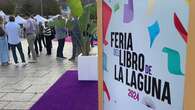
(4, 53)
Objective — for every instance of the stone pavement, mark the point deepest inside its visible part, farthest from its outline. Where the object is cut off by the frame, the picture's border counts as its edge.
(21, 87)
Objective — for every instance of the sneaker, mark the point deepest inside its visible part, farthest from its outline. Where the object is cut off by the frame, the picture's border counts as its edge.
(71, 59)
(5, 64)
(32, 61)
(59, 58)
(24, 64)
(9, 62)
(62, 58)
(48, 54)
(29, 56)
(16, 64)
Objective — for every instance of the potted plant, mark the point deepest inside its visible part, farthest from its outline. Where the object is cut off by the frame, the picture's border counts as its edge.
(87, 64)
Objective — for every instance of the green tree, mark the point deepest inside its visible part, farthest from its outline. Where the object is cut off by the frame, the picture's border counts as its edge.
(87, 22)
(50, 7)
(8, 6)
(27, 7)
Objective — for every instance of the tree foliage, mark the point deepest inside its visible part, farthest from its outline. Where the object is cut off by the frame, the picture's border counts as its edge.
(50, 7)
(27, 7)
(87, 24)
(8, 6)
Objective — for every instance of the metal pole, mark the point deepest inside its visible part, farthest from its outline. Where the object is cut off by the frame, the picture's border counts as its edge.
(41, 7)
(16, 7)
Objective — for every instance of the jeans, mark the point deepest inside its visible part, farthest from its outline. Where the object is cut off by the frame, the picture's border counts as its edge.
(48, 44)
(4, 54)
(31, 39)
(40, 40)
(20, 50)
(76, 44)
(60, 48)
(36, 45)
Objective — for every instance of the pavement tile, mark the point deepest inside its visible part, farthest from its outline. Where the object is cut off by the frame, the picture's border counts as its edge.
(36, 97)
(37, 89)
(3, 104)
(18, 106)
(2, 94)
(18, 97)
(21, 86)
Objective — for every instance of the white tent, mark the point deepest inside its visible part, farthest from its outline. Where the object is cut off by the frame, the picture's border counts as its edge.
(54, 17)
(6, 18)
(40, 19)
(2, 14)
(20, 20)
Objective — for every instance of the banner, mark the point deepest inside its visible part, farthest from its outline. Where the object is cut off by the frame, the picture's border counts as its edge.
(144, 54)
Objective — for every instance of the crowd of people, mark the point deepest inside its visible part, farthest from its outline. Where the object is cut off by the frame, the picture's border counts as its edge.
(38, 35)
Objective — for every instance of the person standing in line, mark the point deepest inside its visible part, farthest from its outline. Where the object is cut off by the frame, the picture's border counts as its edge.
(41, 37)
(31, 36)
(48, 37)
(53, 33)
(75, 35)
(4, 53)
(21, 31)
(36, 40)
(13, 31)
(60, 36)
(37, 37)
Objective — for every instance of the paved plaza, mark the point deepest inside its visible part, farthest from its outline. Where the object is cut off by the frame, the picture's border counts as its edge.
(21, 87)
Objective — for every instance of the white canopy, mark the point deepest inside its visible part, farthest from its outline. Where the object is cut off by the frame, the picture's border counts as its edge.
(6, 18)
(40, 19)
(2, 14)
(20, 20)
(54, 17)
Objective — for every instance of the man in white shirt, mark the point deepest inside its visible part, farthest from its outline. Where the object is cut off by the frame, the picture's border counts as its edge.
(13, 31)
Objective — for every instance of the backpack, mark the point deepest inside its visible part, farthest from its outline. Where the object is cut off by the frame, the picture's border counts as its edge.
(2, 32)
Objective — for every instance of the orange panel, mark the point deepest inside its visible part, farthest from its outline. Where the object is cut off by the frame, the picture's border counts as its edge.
(100, 56)
(189, 103)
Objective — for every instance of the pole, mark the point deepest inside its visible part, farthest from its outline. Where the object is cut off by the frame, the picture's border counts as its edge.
(41, 7)
(100, 55)
(190, 76)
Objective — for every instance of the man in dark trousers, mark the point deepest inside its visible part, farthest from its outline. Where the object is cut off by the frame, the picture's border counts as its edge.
(41, 37)
(60, 36)
(13, 31)
(48, 37)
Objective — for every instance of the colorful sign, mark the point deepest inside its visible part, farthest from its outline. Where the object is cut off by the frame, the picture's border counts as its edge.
(144, 54)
